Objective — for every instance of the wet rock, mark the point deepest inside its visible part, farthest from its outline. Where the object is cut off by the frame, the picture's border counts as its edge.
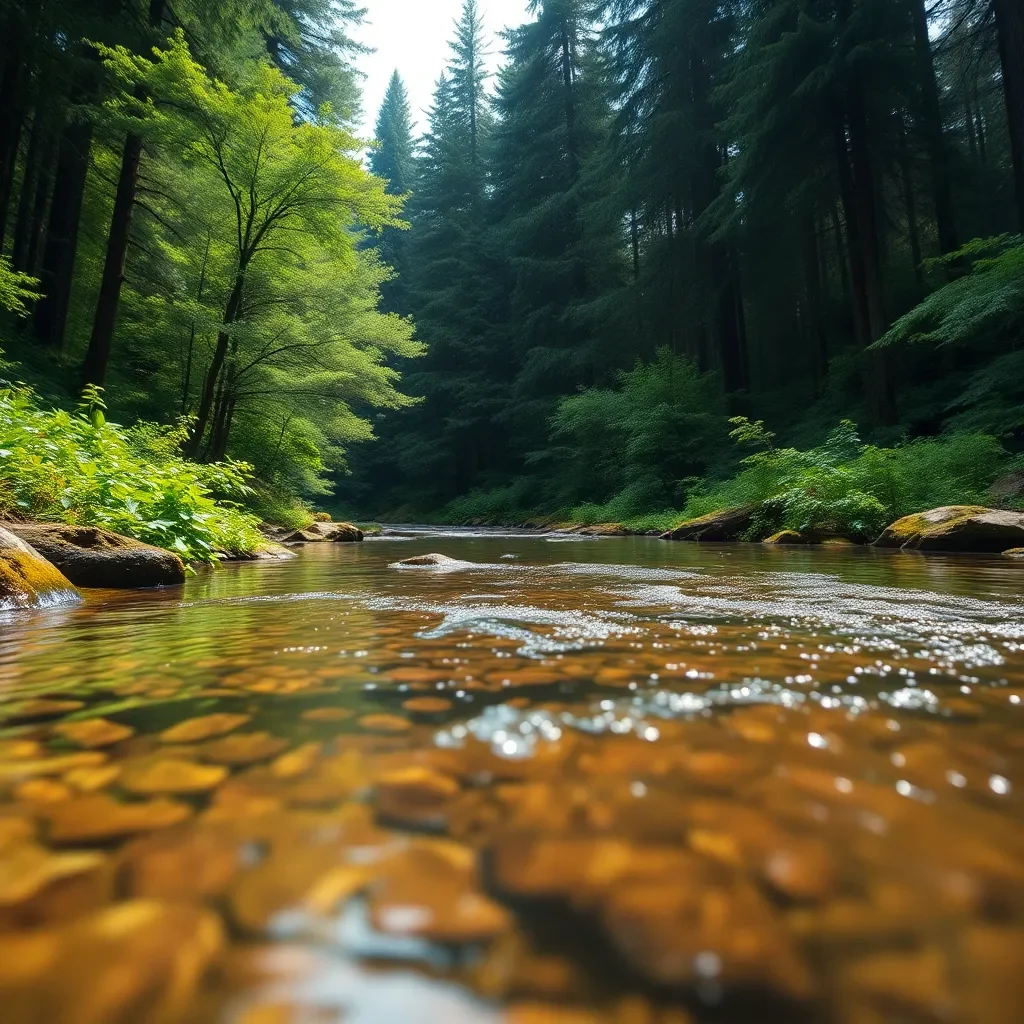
(243, 748)
(99, 818)
(272, 552)
(433, 560)
(384, 723)
(34, 710)
(695, 932)
(1017, 554)
(29, 768)
(181, 865)
(427, 705)
(327, 715)
(414, 797)
(448, 910)
(298, 762)
(195, 730)
(134, 961)
(92, 557)
(956, 528)
(42, 791)
(787, 537)
(309, 879)
(725, 525)
(318, 533)
(28, 580)
(26, 870)
(93, 732)
(152, 778)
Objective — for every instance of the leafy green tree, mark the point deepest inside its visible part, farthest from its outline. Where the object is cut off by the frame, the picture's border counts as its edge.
(298, 336)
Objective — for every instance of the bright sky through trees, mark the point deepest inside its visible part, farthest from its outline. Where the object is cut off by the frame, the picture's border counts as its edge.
(413, 36)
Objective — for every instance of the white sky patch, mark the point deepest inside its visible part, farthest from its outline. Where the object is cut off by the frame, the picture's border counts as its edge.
(413, 36)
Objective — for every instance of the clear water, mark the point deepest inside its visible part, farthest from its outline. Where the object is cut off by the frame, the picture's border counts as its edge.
(560, 780)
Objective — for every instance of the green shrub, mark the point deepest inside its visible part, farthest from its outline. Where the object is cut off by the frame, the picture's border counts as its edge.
(77, 468)
(627, 451)
(503, 506)
(847, 488)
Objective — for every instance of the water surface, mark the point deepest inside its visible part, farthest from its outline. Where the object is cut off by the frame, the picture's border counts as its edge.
(562, 780)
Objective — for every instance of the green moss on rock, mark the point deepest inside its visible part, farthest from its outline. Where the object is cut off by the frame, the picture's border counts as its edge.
(956, 528)
(27, 580)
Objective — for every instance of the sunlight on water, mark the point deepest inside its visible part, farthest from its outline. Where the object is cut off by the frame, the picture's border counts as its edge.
(611, 780)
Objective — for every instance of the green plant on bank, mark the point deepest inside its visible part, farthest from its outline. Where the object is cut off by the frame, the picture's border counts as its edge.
(75, 467)
(17, 290)
(847, 488)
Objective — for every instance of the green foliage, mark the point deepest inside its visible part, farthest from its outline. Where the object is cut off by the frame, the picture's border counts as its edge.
(634, 449)
(77, 468)
(847, 488)
(973, 309)
(17, 290)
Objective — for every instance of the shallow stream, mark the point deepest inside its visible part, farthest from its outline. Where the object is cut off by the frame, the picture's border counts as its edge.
(563, 781)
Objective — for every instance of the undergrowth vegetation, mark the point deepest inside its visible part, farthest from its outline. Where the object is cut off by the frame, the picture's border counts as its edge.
(848, 488)
(75, 467)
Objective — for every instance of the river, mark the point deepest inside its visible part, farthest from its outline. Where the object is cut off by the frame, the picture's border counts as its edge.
(559, 781)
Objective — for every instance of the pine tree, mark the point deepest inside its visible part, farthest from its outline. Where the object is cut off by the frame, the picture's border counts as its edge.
(392, 160)
(552, 120)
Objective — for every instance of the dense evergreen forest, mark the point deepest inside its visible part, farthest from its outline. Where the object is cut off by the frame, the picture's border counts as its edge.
(675, 254)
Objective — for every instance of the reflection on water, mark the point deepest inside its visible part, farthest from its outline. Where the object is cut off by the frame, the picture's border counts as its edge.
(584, 781)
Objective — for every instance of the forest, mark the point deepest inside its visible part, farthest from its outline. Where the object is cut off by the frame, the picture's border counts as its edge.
(674, 255)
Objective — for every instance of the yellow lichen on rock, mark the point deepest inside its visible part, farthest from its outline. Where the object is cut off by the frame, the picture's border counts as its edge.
(27, 580)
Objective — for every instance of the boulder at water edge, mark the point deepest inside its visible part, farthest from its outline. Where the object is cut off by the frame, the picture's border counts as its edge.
(725, 525)
(27, 580)
(316, 533)
(964, 528)
(92, 557)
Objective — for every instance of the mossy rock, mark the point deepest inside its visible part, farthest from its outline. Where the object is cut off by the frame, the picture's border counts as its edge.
(321, 533)
(725, 525)
(601, 530)
(93, 557)
(786, 537)
(27, 580)
(956, 528)
(1017, 554)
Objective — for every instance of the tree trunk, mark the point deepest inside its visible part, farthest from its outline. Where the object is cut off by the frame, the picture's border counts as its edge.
(97, 356)
(1010, 31)
(913, 229)
(187, 384)
(212, 377)
(880, 390)
(932, 130)
(27, 194)
(12, 119)
(815, 300)
(94, 368)
(41, 201)
(62, 233)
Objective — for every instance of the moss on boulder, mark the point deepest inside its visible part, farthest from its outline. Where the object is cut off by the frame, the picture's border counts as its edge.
(27, 580)
(320, 533)
(956, 528)
(92, 557)
(786, 537)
